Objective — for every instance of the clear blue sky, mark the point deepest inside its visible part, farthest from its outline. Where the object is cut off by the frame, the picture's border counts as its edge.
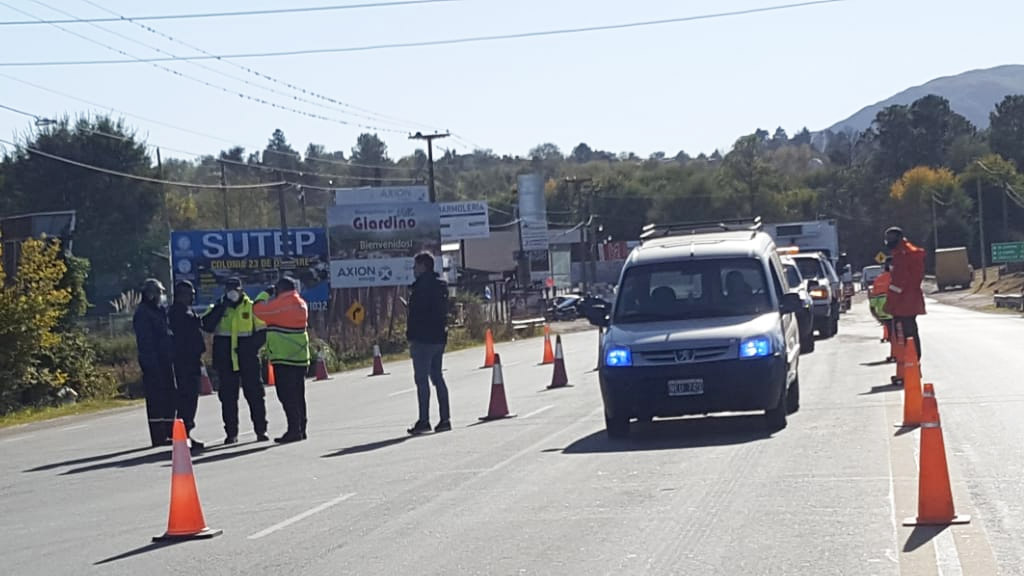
(692, 86)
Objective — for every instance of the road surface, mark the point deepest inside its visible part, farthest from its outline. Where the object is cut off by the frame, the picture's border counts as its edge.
(546, 493)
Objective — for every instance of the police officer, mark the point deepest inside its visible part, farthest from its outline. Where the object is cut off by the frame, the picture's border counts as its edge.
(189, 348)
(236, 345)
(156, 353)
(905, 300)
(286, 316)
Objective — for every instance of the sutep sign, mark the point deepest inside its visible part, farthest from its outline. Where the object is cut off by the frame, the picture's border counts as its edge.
(464, 220)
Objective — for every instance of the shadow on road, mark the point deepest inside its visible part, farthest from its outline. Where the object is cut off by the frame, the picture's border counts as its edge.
(370, 447)
(88, 459)
(875, 363)
(675, 435)
(921, 536)
(905, 430)
(137, 552)
(206, 458)
(162, 456)
(881, 389)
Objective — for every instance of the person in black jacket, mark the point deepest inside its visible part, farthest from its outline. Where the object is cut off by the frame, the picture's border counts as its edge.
(427, 332)
(156, 354)
(189, 348)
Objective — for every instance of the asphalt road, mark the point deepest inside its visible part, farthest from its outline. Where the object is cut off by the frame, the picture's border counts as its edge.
(546, 493)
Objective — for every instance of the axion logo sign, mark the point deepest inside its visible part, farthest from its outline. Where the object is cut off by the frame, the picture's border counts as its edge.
(365, 272)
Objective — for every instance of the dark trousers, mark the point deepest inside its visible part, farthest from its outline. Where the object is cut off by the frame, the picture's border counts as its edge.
(427, 360)
(248, 379)
(187, 377)
(909, 326)
(161, 402)
(291, 391)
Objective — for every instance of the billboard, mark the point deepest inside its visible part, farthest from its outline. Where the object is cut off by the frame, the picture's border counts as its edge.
(464, 221)
(374, 244)
(380, 195)
(533, 214)
(209, 257)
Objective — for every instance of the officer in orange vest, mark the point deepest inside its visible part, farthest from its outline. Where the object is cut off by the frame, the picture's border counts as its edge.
(905, 299)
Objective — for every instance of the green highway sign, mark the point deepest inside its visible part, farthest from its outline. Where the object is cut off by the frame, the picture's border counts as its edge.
(1007, 252)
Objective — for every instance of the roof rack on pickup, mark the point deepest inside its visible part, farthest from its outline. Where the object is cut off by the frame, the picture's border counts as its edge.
(753, 225)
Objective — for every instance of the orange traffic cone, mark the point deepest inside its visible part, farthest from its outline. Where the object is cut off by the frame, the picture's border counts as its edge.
(321, 367)
(378, 362)
(934, 494)
(559, 379)
(898, 353)
(549, 354)
(885, 332)
(185, 521)
(270, 375)
(205, 384)
(911, 386)
(488, 350)
(499, 405)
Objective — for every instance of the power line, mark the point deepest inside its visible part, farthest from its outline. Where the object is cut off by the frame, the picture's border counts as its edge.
(369, 114)
(22, 112)
(449, 41)
(192, 16)
(137, 177)
(233, 92)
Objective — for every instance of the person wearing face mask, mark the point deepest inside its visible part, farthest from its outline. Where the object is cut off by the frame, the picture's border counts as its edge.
(236, 345)
(905, 300)
(156, 355)
(189, 348)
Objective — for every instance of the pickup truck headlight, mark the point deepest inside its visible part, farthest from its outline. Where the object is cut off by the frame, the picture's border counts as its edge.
(618, 357)
(758, 347)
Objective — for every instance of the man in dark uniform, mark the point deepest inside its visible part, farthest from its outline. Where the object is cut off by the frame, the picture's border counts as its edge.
(156, 352)
(238, 337)
(188, 355)
(427, 332)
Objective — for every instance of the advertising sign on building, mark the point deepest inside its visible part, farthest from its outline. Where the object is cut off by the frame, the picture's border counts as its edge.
(374, 244)
(533, 214)
(464, 221)
(209, 257)
(380, 195)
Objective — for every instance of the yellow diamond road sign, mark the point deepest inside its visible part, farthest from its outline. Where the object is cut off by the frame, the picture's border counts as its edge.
(356, 313)
(880, 257)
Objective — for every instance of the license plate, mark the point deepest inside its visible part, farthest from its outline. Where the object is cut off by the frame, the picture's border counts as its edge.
(689, 387)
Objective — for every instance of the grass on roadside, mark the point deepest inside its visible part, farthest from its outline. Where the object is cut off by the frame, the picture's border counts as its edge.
(39, 414)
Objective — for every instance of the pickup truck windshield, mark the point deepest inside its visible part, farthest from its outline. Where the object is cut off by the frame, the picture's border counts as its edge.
(692, 289)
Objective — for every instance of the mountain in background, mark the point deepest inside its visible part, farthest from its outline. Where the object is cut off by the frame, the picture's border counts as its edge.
(973, 94)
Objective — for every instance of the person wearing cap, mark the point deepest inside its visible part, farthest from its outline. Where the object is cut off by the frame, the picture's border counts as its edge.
(905, 299)
(286, 316)
(189, 347)
(156, 354)
(236, 346)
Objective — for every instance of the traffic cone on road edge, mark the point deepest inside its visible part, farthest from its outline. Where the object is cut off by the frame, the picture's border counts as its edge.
(205, 384)
(321, 367)
(185, 521)
(898, 353)
(549, 355)
(934, 493)
(911, 386)
(378, 362)
(488, 350)
(499, 405)
(885, 332)
(270, 374)
(559, 379)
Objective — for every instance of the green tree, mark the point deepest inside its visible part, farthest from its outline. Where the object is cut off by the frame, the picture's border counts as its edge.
(1006, 129)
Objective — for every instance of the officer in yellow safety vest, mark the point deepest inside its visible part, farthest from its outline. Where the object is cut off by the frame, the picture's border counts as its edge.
(238, 337)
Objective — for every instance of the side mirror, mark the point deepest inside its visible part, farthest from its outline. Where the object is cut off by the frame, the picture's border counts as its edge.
(791, 303)
(597, 314)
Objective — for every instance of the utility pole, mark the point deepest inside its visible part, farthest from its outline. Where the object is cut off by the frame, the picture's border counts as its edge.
(283, 209)
(583, 210)
(935, 224)
(430, 156)
(224, 192)
(981, 231)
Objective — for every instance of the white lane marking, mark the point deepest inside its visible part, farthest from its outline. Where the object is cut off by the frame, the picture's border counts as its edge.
(400, 392)
(892, 553)
(79, 427)
(16, 438)
(301, 517)
(539, 411)
(547, 439)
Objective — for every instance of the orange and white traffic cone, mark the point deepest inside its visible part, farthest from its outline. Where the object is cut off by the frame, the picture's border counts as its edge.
(499, 405)
(378, 362)
(270, 374)
(549, 354)
(934, 493)
(205, 384)
(488, 350)
(911, 386)
(885, 332)
(321, 367)
(559, 379)
(185, 521)
(899, 353)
